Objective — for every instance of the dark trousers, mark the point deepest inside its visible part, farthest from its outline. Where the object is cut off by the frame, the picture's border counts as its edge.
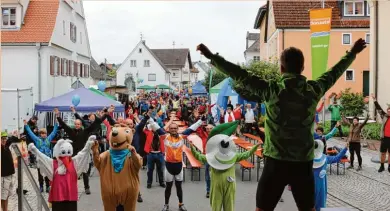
(277, 174)
(144, 160)
(332, 124)
(64, 206)
(207, 177)
(355, 147)
(86, 177)
(158, 159)
(40, 180)
(249, 129)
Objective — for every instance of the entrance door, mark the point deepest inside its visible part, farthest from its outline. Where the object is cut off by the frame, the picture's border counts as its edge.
(366, 83)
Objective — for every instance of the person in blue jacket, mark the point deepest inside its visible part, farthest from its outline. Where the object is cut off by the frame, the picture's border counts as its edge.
(319, 169)
(319, 134)
(43, 144)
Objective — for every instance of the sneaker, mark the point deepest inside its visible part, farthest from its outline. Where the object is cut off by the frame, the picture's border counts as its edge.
(149, 186)
(140, 200)
(208, 195)
(359, 168)
(162, 185)
(48, 189)
(281, 200)
(382, 168)
(388, 168)
(143, 167)
(182, 207)
(41, 189)
(166, 207)
(350, 167)
(87, 191)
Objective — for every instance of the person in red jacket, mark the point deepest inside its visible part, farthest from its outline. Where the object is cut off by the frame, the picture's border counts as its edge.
(154, 147)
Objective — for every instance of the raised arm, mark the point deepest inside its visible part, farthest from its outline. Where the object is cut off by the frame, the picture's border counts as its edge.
(137, 160)
(81, 160)
(328, 79)
(197, 155)
(192, 128)
(247, 154)
(318, 110)
(345, 121)
(365, 121)
(95, 125)
(381, 112)
(45, 164)
(337, 158)
(67, 129)
(30, 133)
(331, 133)
(53, 133)
(83, 122)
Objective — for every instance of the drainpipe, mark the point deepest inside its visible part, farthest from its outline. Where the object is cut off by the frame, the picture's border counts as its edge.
(283, 39)
(376, 51)
(38, 46)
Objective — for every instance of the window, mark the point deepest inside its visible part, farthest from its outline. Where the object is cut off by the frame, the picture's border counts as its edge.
(146, 63)
(71, 68)
(9, 17)
(81, 38)
(349, 75)
(346, 40)
(151, 77)
(56, 66)
(256, 58)
(368, 9)
(140, 50)
(63, 28)
(64, 71)
(354, 8)
(81, 67)
(368, 37)
(73, 32)
(133, 63)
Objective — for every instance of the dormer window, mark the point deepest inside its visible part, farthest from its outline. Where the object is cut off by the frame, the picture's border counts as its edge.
(354, 8)
(9, 17)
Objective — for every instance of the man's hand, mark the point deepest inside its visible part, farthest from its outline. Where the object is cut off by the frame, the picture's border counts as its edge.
(373, 96)
(359, 46)
(204, 50)
(72, 109)
(338, 124)
(24, 122)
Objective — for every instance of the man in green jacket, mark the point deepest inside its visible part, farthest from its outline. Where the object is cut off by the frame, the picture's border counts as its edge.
(291, 105)
(335, 114)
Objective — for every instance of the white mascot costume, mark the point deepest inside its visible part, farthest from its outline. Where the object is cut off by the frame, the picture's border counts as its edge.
(63, 172)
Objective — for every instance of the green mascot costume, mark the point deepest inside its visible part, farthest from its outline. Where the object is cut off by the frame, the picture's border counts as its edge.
(221, 155)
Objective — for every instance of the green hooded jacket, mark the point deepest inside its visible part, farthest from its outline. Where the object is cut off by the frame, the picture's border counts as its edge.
(290, 104)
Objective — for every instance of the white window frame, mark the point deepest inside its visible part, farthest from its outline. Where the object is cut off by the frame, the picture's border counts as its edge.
(368, 9)
(350, 38)
(151, 74)
(354, 8)
(56, 70)
(369, 40)
(64, 66)
(133, 63)
(353, 75)
(9, 18)
(146, 63)
(63, 27)
(81, 38)
(73, 32)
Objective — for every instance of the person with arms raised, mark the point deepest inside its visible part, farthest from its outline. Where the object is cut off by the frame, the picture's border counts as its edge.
(291, 105)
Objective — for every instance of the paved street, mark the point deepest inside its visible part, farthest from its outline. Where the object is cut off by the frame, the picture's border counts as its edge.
(365, 190)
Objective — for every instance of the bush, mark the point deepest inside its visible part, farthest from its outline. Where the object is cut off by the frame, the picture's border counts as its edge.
(261, 121)
(353, 103)
(373, 130)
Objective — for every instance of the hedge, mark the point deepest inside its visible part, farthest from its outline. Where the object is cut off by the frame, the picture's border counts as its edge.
(373, 130)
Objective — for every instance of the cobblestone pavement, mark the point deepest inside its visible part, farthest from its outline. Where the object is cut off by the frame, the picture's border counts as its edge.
(366, 190)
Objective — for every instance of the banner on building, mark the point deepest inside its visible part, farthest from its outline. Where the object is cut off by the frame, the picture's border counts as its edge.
(320, 25)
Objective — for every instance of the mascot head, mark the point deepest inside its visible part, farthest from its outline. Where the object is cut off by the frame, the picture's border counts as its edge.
(121, 136)
(220, 149)
(319, 157)
(63, 152)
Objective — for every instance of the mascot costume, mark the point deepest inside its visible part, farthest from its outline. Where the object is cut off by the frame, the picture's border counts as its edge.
(221, 155)
(118, 168)
(319, 167)
(63, 172)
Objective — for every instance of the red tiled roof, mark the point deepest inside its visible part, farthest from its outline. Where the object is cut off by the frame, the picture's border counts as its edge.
(38, 24)
(295, 14)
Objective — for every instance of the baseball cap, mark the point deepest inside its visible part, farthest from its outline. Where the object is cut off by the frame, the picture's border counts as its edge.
(4, 134)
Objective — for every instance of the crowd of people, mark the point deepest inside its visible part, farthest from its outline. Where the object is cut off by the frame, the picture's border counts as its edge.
(291, 157)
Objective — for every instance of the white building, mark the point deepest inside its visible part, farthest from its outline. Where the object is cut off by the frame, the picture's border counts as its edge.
(178, 62)
(252, 52)
(203, 69)
(143, 64)
(44, 45)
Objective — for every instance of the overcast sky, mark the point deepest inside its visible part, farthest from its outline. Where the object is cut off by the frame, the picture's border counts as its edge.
(114, 28)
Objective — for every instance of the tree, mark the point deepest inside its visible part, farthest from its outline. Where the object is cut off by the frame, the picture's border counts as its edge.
(353, 103)
(262, 69)
(218, 76)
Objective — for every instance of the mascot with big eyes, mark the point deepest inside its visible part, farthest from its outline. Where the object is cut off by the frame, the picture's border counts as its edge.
(63, 171)
(118, 168)
(221, 155)
(319, 167)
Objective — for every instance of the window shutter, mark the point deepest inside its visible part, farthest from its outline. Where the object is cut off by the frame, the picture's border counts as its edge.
(68, 67)
(88, 71)
(75, 69)
(58, 66)
(62, 67)
(81, 70)
(51, 65)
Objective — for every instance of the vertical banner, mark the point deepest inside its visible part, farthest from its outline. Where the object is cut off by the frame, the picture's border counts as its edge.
(320, 25)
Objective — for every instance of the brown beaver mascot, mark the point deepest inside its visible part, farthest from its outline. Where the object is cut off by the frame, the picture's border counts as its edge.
(118, 168)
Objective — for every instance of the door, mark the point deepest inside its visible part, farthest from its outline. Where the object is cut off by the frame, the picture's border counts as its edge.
(366, 83)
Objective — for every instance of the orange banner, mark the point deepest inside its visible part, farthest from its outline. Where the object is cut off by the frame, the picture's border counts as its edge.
(320, 20)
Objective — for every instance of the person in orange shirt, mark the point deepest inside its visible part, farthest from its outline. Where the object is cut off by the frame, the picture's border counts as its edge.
(173, 143)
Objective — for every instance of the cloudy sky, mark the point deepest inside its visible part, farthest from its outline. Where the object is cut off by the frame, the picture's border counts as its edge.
(114, 28)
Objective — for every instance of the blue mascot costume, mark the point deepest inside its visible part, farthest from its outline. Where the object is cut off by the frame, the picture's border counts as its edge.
(319, 167)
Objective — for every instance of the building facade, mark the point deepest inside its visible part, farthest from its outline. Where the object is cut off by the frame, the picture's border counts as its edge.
(286, 24)
(45, 46)
(252, 52)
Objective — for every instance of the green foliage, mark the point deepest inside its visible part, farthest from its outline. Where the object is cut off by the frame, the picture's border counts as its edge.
(261, 121)
(353, 103)
(111, 73)
(262, 69)
(371, 130)
(218, 76)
